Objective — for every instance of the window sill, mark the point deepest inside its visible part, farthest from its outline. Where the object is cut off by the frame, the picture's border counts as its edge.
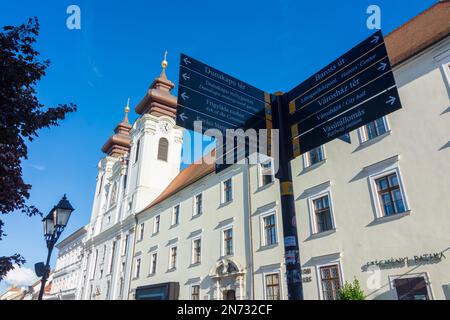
(196, 215)
(174, 225)
(392, 217)
(374, 140)
(171, 269)
(314, 166)
(155, 233)
(266, 186)
(224, 204)
(151, 275)
(268, 247)
(323, 233)
(194, 264)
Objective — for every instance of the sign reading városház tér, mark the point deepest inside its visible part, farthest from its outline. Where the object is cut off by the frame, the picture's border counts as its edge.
(355, 89)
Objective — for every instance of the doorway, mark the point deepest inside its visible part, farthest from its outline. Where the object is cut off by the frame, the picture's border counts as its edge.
(229, 295)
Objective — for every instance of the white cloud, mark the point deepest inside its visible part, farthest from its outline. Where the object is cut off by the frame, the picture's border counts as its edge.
(21, 277)
(37, 167)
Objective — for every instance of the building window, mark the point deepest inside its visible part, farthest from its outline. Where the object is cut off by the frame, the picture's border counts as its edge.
(228, 242)
(197, 251)
(227, 191)
(111, 261)
(273, 286)
(156, 224)
(266, 174)
(331, 281)
(412, 288)
(125, 244)
(173, 258)
(390, 195)
(141, 231)
(176, 215)
(104, 253)
(374, 129)
(270, 230)
(195, 292)
(163, 149)
(136, 154)
(313, 156)
(153, 261)
(100, 185)
(138, 268)
(322, 214)
(113, 199)
(95, 264)
(121, 287)
(198, 203)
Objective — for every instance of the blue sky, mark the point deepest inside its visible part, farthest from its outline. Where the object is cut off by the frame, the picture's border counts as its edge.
(273, 45)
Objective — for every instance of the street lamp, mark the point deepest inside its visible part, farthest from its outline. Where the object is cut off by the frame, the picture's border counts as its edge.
(54, 223)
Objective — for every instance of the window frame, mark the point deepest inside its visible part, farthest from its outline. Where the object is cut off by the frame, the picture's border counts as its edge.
(191, 291)
(156, 224)
(327, 261)
(307, 161)
(362, 131)
(137, 151)
(280, 283)
(175, 222)
(174, 266)
(261, 175)
(152, 270)
(141, 231)
(264, 242)
(137, 268)
(193, 253)
(425, 275)
(375, 195)
(312, 213)
(223, 189)
(223, 230)
(195, 213)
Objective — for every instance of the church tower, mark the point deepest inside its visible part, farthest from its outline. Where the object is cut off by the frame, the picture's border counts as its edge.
(155, 155)
(111, 177)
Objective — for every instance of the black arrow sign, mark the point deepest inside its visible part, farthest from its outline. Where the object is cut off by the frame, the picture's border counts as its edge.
(360, 115)
(220, 77)
(346, 102)
(350, 71)
(356, 52)
(324, 101)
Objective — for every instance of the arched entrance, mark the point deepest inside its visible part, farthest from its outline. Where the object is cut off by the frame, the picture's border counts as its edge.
(229, 280)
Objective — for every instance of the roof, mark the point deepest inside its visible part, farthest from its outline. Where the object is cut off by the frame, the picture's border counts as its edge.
(74, 235)
(409, 39)
(188, 176)
(420, 32)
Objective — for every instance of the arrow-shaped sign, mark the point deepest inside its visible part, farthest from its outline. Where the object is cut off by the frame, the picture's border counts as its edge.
(185, 76)
(183, 116)
(382, 66)
(186, 61)
(391, 100)
(375, 39)
(184, 96)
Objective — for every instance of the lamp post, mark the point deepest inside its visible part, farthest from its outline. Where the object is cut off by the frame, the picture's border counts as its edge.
(54, 224)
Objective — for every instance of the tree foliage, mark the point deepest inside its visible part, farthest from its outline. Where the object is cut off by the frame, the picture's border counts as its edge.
(351, 291)
(21, 116)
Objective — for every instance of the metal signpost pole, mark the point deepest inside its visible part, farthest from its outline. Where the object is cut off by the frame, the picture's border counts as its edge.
(291, 248)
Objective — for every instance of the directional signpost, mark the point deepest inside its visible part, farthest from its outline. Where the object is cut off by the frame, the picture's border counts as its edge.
(353, 90)
(219, 101)
(357, 88)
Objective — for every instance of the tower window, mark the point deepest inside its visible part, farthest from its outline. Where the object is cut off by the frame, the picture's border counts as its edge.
(163, 149)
